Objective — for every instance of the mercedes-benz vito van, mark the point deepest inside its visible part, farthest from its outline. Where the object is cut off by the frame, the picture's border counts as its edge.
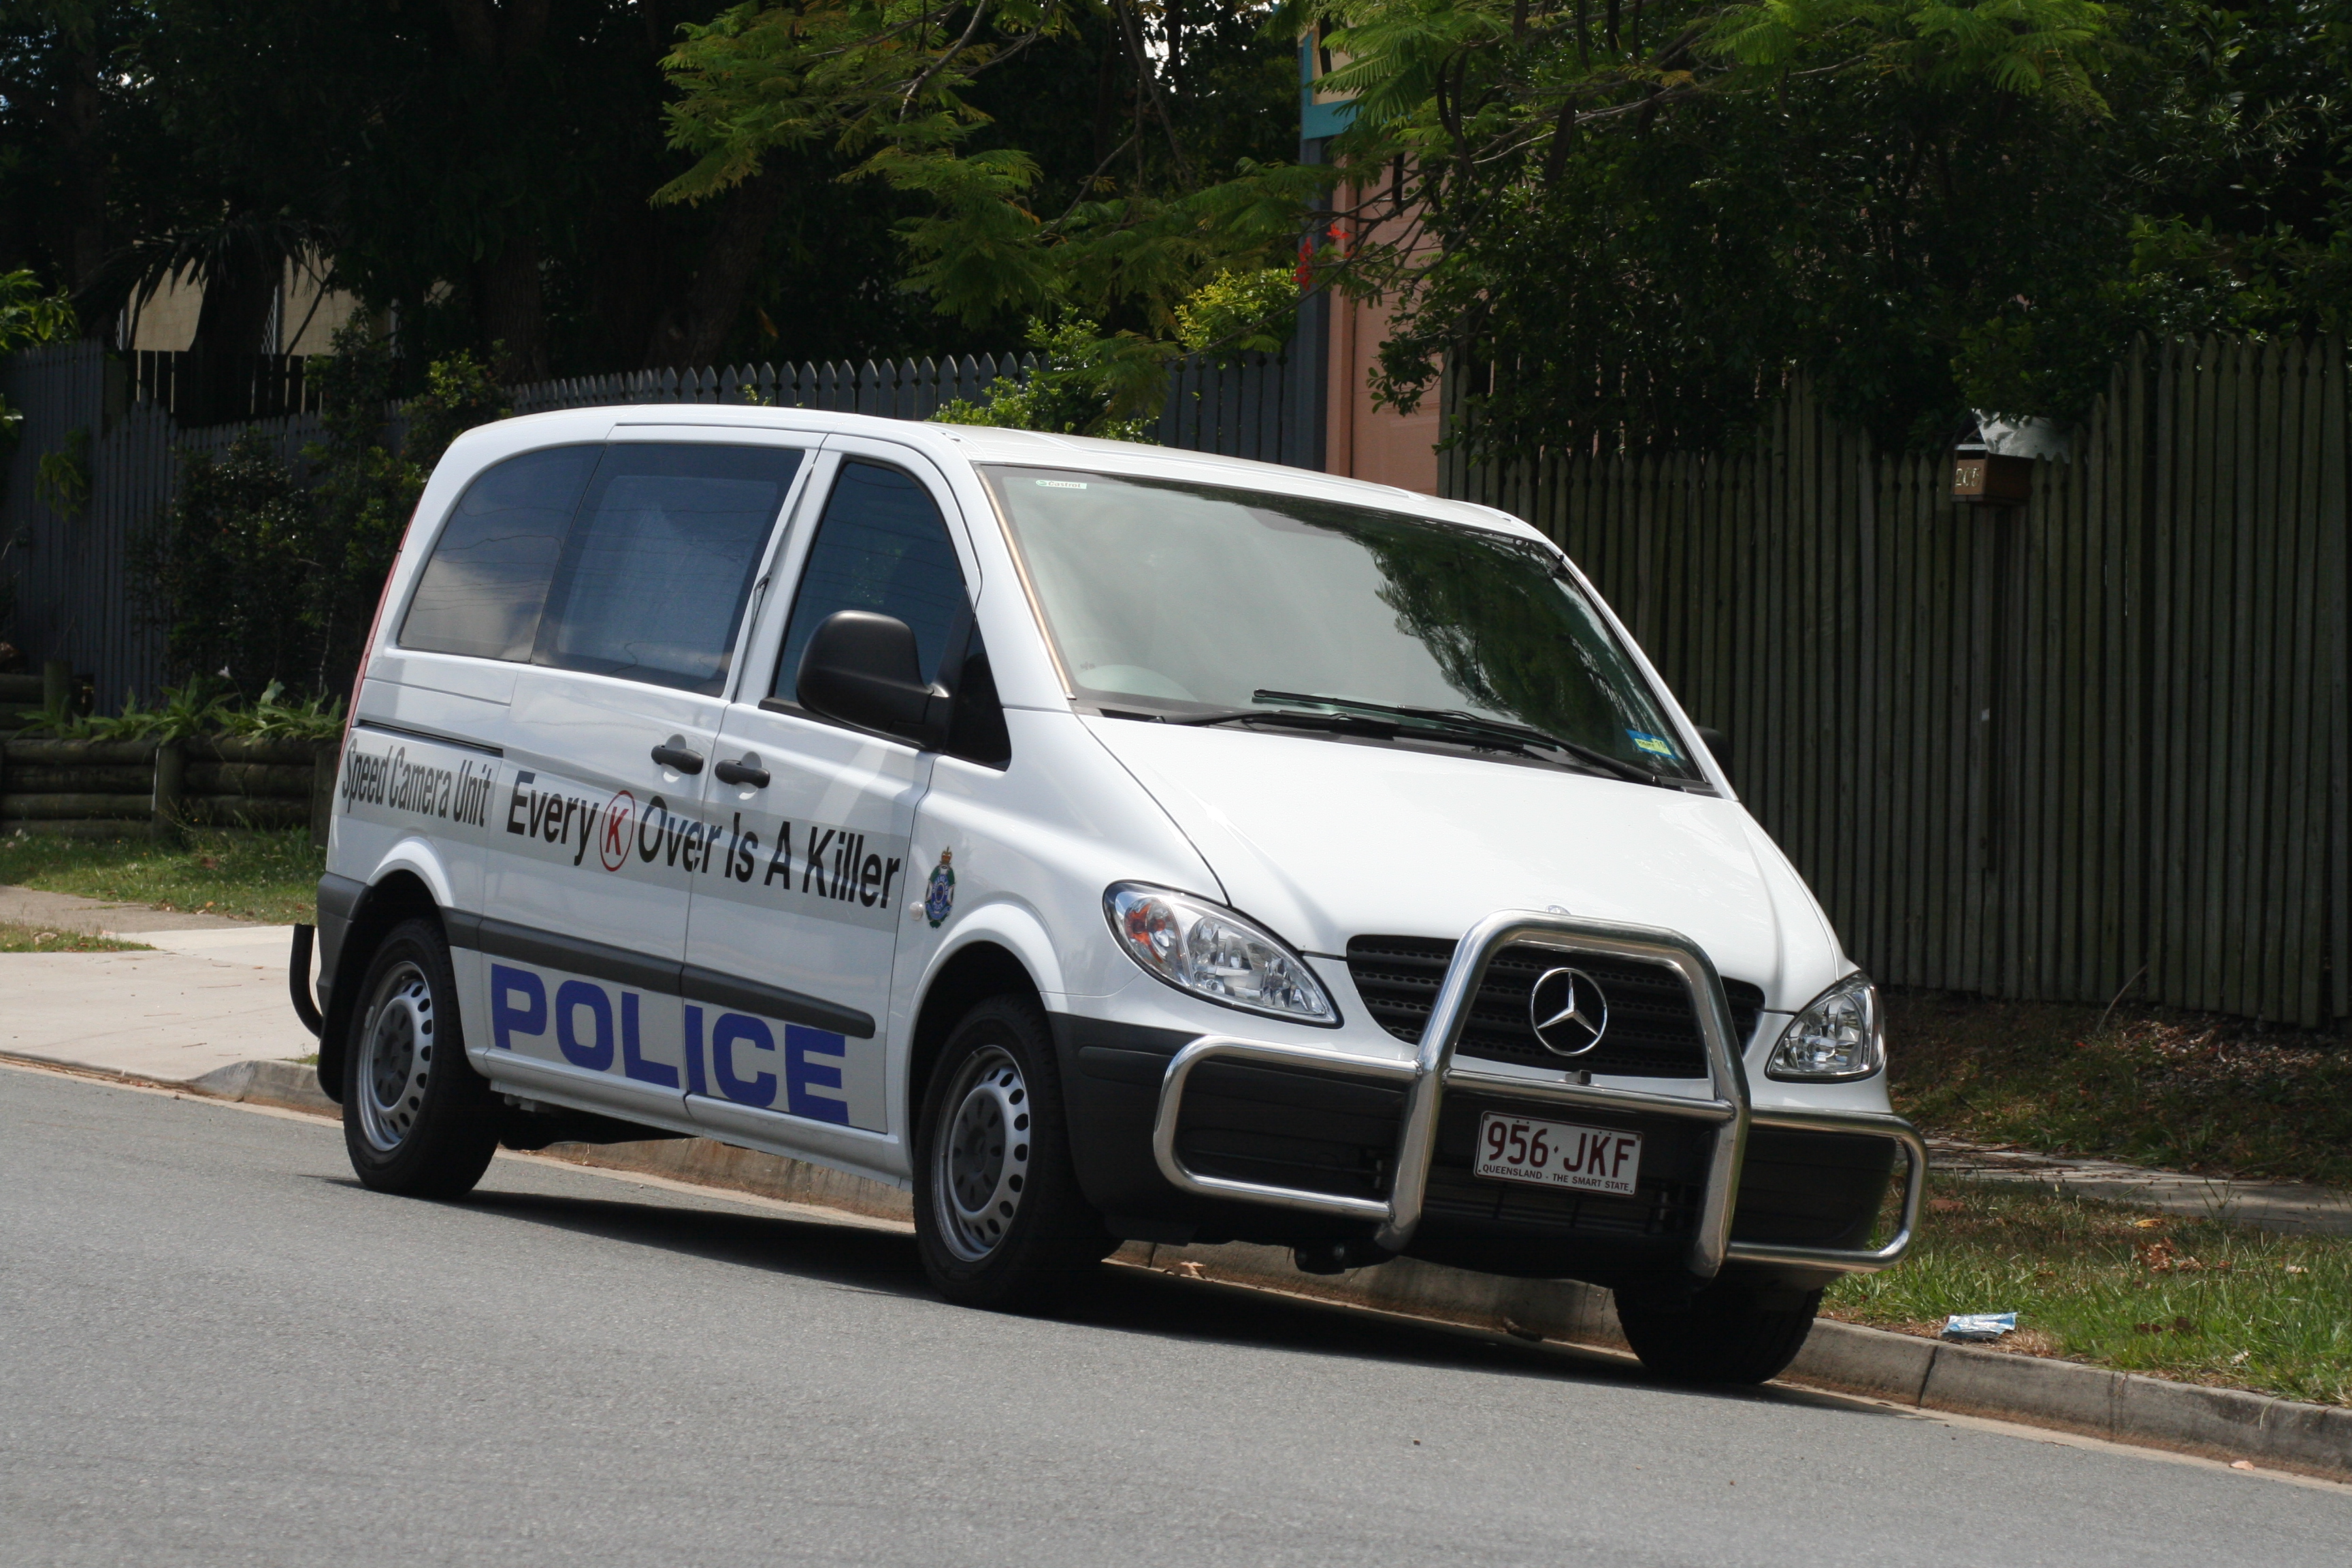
(1100, 841)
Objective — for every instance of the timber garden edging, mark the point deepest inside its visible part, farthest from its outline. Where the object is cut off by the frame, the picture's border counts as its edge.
(114, 789)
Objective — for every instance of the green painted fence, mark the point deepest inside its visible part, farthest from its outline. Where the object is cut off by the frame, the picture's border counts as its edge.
(2090, 744)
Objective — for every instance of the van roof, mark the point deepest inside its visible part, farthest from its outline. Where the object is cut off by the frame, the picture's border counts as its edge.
(991, 444)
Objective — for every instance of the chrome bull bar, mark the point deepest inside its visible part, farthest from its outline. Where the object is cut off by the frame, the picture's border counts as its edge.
(1433, 1071)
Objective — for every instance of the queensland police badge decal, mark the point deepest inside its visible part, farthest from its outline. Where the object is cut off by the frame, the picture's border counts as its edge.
(939, 898)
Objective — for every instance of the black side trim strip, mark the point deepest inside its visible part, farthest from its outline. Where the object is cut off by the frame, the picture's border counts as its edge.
(774, 1002)
(428, 736)
(552, 950)
(549, 949)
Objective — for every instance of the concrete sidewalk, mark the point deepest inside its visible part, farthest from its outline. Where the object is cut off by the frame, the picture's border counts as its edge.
(212, 994)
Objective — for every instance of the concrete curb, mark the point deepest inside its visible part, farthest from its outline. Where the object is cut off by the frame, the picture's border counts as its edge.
(291, 1086)
(1902, 1369)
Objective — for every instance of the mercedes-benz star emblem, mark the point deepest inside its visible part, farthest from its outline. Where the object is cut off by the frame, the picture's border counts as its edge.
(1569, 1012)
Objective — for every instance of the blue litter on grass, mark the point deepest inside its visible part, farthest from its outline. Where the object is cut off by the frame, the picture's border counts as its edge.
(1979, 1325)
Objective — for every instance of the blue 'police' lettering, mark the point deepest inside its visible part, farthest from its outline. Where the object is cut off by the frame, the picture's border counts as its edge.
(801, 1075)
(731, 1027)
(632, 1061)
(506, 1019)
(595, 1054)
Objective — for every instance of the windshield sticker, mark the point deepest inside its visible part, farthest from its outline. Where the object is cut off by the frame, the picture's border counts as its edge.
(1653, 744)
(939, 898)
(1061, 484)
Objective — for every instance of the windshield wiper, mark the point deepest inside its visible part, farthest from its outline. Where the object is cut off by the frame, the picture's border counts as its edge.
(1462, 723)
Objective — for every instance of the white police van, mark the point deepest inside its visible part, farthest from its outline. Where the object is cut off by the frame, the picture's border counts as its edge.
(1102, 841)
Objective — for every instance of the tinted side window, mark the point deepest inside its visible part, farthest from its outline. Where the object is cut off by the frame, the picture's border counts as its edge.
(879, 546)
(482, 590)
(655, 572)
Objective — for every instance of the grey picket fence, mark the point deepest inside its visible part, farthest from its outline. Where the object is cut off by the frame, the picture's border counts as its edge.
(2091, 745)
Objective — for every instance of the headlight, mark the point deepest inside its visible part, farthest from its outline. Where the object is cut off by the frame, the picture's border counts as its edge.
(1209, 951)
(1839, 1035)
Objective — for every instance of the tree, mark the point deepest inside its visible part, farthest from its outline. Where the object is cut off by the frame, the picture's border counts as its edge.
(895, 90)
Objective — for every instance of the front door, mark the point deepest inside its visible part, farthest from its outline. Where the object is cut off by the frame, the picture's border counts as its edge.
(598, 836)
(789, 955)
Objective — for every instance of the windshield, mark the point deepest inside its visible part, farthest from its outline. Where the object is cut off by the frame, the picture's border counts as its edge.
(1189, 601)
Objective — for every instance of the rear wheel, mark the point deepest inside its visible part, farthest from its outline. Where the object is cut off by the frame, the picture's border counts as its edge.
(1728, 1332)
(418, 1119)
(999, 1220)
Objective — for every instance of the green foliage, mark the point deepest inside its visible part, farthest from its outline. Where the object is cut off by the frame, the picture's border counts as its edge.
(1236, 312)
(1084, 384)
(270, 585)
(30, 316)
(230, 569)
(888, 87)
(198, 706)
(62, 478)
(1636, 223)
(363, 490)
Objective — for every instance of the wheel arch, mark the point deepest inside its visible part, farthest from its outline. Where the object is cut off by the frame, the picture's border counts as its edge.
(978, 968)
(399, 892)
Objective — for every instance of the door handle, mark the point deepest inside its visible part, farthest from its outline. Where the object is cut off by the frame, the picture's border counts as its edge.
(747, 772)
(672, 754)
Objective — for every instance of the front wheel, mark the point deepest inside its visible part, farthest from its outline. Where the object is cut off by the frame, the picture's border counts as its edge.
(999, 1220)
(418, 1119)
(1728, 1332)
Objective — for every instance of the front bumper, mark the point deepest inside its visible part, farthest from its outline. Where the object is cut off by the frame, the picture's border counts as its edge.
(1725, 1112)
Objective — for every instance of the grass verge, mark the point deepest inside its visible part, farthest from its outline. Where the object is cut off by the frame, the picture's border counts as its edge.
(272, 878)
(15, 938)
(2179, 1090)
(2194, 1300)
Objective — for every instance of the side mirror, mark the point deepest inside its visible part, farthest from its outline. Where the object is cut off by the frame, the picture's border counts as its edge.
(1718, 742)
(862, 669)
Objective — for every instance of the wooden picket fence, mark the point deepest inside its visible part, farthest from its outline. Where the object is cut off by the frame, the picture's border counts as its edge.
(2090, 744)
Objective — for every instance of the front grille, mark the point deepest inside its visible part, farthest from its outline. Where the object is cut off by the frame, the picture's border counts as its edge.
(1652, 1027)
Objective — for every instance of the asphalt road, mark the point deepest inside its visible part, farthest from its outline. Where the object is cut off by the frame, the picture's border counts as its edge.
(216, 1348)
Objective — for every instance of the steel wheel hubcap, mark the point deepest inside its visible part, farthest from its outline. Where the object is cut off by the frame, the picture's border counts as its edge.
(982, 1162)
(395, 1058)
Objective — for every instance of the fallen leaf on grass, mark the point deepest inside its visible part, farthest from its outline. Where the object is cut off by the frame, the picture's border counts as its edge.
(209, 862)
(2242, 1464)
(2150, 1224)
(2296, 1268)
(1946, 1205)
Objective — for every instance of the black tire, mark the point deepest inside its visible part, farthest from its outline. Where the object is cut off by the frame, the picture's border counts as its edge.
(1728, 1332)
(1000, 1223)
(418, 1119)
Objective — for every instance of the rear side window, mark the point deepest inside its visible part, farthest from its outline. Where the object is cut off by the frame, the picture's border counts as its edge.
(655, 574)
(881, 545)
(483, 588)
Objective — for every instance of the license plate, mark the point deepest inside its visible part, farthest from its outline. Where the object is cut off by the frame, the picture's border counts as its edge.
(1558, 1153)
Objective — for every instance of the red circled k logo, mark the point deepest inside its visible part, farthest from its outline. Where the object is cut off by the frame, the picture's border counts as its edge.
(614, 848)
